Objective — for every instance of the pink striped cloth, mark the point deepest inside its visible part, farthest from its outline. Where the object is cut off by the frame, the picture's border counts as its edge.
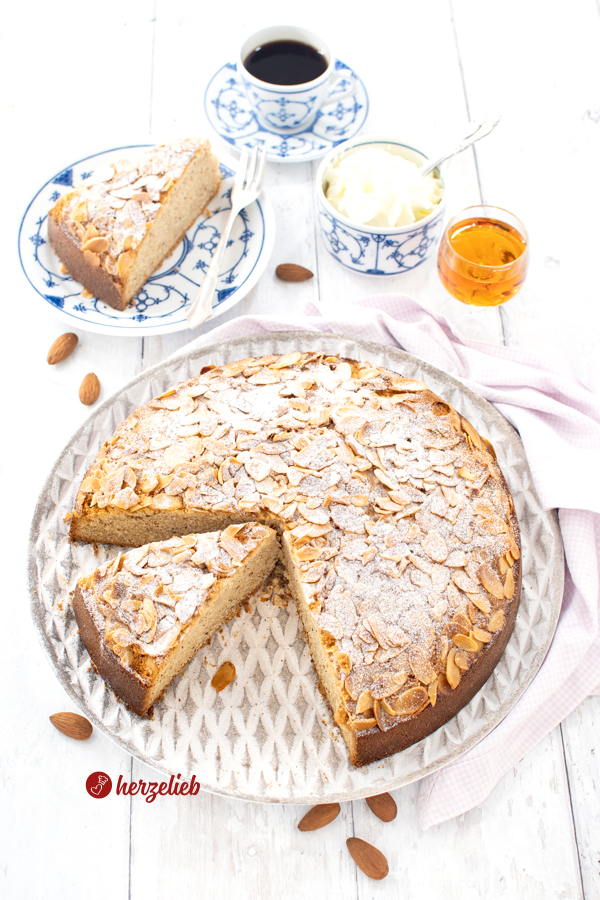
(559, 422)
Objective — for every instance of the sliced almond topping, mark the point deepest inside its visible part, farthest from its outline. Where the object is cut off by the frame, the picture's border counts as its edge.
(480, 635)
(387, 708)
(288, 359)
(461, 623)
(369, 555)
(343, 661)
(462, 660)
(385, 479)
(491, 581)
(95, 245)
(472, 434)
(308, 553)
(432, 692)
(258, 469)
(480, 602)
(264, 376)
(124, 263)
(315, 516)
(363, 724)
(496, 621)
(452, 670)
(466, 584)
(463, 642)
(421, 665)
(435, 546)
(509, 585)
(79, 212)
(468, 476)
(364, 702)
(412, 701)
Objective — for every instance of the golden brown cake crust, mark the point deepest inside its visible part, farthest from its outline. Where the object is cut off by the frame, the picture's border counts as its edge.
(125, 683)
(96, 280)
(400, 534)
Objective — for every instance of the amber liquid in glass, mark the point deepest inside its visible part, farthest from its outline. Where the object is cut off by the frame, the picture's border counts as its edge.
(482, 261)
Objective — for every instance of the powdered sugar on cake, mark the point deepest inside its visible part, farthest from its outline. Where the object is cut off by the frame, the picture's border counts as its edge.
(142, 600)
(403, 530)
(118, 202)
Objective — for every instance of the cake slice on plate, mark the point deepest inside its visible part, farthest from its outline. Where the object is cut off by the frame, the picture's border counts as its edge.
(145, 614)
(116, 228)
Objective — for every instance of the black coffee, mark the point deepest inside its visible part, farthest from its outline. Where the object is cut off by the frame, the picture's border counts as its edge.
(286, 62)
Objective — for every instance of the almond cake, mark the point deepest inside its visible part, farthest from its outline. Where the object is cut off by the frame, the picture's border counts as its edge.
(116, 228)
(145, 614)
(398, 531)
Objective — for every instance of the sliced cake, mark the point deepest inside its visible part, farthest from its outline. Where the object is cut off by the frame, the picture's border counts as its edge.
(400, 536)
(116, 228)
(145, 614)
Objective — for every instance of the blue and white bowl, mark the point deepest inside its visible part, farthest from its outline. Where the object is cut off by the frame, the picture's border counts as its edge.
(377, 250)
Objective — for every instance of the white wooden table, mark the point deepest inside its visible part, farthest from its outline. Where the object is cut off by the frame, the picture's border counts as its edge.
(74, 78)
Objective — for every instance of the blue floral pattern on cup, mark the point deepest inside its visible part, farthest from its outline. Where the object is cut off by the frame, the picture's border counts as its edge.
(375, 251)
(378, 254)
(232, 116)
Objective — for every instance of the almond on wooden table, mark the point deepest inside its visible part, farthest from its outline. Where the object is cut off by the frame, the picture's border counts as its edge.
(368, 858)
(62, 347)
(293, 272)
(319, 816)
(223, 676)
(90, 389)
(72, 725)
(384, 806)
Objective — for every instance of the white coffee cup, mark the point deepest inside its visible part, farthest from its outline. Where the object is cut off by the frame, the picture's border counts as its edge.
(290, 108)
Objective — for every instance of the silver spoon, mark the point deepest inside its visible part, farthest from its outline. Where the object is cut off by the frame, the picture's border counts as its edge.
(477, 130)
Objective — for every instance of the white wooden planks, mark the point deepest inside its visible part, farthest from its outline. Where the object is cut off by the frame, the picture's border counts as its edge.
(73, 81)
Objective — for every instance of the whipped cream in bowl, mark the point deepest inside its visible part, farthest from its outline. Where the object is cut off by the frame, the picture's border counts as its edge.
(377, 213)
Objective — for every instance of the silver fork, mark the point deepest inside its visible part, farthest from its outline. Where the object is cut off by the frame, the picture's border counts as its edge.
(245, 190)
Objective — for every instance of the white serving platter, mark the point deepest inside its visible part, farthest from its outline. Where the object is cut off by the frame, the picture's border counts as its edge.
(270, 736)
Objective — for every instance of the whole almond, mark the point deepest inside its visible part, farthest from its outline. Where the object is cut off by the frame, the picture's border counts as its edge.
(62, 347)
(90, 389)
(319, 816)
(384, 807)
(73, 725)
(292, 272)
(223, 676)
(368, 858)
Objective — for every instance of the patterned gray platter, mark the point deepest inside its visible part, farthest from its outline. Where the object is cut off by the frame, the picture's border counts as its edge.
(270, 736)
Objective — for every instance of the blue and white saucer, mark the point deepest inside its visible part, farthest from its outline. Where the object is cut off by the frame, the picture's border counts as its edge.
(162, 304)
(230, 114)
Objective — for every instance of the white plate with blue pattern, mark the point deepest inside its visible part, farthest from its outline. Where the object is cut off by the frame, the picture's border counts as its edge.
(161, 305)
(230, 114)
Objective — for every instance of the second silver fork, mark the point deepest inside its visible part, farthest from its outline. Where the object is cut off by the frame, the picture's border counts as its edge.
(245, 190)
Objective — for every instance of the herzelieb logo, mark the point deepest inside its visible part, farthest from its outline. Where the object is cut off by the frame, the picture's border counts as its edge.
(98, 785)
